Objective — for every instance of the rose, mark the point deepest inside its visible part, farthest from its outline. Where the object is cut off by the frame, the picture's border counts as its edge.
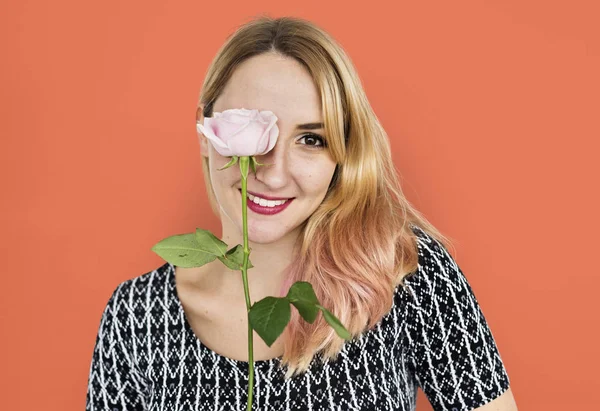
(245, 133)
(241, 132)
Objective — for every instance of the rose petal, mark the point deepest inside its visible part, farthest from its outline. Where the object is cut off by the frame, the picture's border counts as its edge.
(208, 132)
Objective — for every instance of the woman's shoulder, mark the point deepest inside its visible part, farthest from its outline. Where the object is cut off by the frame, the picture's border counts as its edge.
(154, 279)
(141, 288)
(437, 300)
(451, 346)
(438, 290)
(437, 269)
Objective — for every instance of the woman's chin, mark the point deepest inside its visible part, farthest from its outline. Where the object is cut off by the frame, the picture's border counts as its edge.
(264, 237)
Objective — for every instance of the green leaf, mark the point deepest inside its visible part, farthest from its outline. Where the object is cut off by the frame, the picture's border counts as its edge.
(302, 290)
(209, 243)
(303, 297)
(335, 323)
(269, 318)
(182, 250)
(234, 258)
(230, 164)
(308, 311)
(253, 164)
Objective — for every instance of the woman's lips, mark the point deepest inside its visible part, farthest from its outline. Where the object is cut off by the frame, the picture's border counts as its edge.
(257, 208)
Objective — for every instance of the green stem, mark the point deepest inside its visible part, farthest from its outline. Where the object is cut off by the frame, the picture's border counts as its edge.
(244, 161)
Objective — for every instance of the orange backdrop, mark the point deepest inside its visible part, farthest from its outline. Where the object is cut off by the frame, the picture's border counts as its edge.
(492, 110)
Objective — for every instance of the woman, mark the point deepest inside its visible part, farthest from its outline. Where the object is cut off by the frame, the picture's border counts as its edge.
(176, 338)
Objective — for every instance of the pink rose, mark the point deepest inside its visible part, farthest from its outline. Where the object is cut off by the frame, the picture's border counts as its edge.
(241, 132)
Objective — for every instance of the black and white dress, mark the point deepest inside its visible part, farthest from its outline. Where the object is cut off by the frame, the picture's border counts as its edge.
(435, 336)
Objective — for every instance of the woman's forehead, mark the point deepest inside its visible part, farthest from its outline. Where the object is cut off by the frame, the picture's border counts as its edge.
(281, 86)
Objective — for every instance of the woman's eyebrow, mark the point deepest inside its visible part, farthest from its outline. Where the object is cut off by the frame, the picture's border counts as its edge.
(310, 126)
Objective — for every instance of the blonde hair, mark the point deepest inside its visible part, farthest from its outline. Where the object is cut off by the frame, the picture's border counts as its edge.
(358, 245)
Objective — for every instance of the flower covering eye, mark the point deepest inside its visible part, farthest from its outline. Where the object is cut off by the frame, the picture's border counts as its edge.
(241, 132)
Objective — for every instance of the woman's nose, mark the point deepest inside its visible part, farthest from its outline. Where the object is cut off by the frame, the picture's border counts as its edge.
(274, 173)
(274, 156)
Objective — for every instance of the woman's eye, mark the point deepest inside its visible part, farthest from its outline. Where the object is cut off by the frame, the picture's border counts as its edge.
(311, 138)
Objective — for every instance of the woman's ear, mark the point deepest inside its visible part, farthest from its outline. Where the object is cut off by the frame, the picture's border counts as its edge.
(201, 137)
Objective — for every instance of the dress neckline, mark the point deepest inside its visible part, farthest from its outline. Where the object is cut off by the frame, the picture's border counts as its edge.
(242, 365)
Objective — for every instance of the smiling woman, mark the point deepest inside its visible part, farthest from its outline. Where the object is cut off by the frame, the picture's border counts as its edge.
(177, 335)
(270, 81)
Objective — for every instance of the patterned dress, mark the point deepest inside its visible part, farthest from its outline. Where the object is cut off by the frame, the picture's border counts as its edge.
(147, 357)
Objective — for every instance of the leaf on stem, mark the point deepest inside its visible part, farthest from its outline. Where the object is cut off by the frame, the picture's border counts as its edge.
(234, 258)
(269, 318)
(335, 323)
(209, 243)
(303, 297)
(182, 250)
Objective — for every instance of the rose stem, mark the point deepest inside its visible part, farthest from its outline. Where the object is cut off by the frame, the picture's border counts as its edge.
(244, 161)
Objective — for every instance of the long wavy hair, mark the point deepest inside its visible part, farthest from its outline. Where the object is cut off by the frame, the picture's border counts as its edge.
(358, 246)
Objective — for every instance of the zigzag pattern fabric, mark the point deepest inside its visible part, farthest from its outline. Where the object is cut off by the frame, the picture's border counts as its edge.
(147, 357)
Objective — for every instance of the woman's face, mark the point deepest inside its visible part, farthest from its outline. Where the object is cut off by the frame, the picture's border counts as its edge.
(302, 165)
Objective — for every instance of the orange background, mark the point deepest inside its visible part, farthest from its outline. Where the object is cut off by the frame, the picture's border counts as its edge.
(492, 108)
